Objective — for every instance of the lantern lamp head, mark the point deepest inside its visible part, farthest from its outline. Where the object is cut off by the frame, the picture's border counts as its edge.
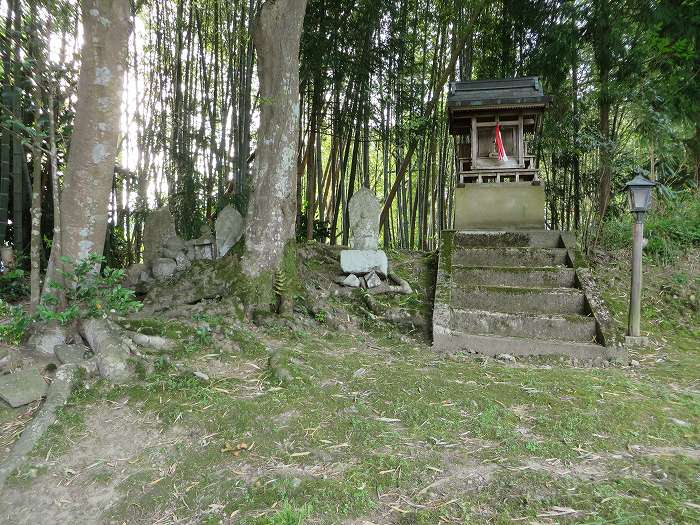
(639, 190)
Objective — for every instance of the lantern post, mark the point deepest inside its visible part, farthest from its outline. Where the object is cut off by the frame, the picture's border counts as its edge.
(639, 191)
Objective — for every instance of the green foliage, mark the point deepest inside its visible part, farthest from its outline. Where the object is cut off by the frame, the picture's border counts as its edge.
(13, 285)
(291, 515)
(672, 228)
(88, 292)
(320, 316)
(15, 325)
(321, 230)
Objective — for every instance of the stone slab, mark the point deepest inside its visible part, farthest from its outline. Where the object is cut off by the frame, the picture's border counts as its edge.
(364, 261)
(157, 230)
(451, 341)
(565, 301)
(71, 353)
(229, 229)
(510, 257)
(352, 281)
(22, 387)
(533, 326)
(45, 338)
(523, 277)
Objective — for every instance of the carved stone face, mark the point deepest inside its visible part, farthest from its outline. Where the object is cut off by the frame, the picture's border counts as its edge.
(364, 210)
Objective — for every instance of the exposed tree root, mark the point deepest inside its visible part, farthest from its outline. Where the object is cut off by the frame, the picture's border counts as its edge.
(57, 396)
(113, 348)
(112, 352)
(155, 342)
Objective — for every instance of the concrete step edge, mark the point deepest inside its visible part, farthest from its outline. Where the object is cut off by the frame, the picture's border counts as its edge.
(524, 290)
(574, 318)
(519, 269)
(450, 341)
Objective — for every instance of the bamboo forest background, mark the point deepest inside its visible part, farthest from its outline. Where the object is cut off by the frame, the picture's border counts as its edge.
(623, 77)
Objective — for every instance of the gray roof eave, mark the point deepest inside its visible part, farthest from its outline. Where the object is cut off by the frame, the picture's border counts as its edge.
(454, 102)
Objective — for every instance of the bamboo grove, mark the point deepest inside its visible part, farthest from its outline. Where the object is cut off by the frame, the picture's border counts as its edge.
(373, 82)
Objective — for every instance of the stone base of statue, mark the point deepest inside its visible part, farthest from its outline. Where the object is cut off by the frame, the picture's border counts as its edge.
(360, 262)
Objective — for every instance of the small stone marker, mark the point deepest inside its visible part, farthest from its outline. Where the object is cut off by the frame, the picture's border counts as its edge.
(352, 281)
(363, 257)
(157, 230)
(204, 245)
(22, 387)
(163, 268)
(372, 280)
(229, 229)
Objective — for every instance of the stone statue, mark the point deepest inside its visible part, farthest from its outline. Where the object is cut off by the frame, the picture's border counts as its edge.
(364, 210)
(363, 256)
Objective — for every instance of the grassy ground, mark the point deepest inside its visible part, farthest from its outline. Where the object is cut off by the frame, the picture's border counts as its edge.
(376, 428)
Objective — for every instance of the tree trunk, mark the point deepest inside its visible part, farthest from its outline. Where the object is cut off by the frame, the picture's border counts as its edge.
(271, 211)
(35, 241)
(5, 139)
(88, 181)
(18, 160)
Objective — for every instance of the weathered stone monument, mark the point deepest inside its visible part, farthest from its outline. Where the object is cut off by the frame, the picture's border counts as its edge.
(204, 245)
(364, 257)
(229, 229)
(159, 227)
(164, 253)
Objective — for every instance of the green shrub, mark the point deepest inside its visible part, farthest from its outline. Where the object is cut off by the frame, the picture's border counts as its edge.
(672, 228)
(13, 285)
(15, 322)
(87, 292)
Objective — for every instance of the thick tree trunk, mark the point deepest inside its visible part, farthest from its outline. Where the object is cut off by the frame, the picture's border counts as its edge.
(5, 139)
(85, 196)
(18, 160)
(271, 211)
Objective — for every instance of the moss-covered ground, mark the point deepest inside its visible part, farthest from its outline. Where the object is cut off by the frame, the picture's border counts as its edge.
(376, 428)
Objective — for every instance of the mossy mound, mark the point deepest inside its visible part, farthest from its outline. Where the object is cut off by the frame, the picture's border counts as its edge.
(225, 278)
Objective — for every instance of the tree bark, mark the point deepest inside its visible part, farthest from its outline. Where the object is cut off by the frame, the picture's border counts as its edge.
(271, 211)
(88, 181)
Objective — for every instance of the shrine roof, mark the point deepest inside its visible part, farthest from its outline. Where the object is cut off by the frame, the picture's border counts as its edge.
(510, 92)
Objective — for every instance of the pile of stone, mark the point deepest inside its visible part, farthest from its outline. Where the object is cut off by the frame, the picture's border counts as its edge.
(364, 266)
(164, 253)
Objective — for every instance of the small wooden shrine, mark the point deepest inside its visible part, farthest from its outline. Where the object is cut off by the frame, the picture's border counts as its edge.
(498, 187)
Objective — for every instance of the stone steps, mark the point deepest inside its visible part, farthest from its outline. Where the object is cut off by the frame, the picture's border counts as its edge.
(520, 276)
(516, 293)
(577, 328)
(510, 299)
(517, 256)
